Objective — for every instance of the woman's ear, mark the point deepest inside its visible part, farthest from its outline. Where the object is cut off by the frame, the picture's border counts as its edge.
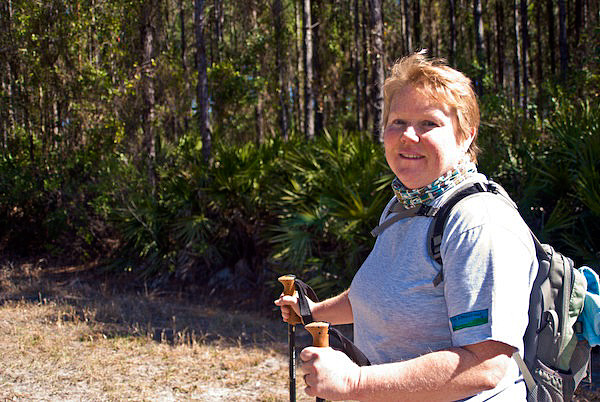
(469, 139)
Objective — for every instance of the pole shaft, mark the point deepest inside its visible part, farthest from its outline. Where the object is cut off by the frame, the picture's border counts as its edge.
(288, 289)
(292, 363)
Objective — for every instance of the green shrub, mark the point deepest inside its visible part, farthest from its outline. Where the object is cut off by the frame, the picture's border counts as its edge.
(331, 199)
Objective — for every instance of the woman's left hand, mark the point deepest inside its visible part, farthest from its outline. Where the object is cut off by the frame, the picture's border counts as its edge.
(329, 374)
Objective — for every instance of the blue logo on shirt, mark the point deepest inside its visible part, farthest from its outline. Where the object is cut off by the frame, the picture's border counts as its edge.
(470, 319)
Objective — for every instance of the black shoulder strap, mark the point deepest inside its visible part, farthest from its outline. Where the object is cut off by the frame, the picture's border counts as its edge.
(436, 228)
(402, 213)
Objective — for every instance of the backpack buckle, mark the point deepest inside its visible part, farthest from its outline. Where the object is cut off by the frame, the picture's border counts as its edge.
(427, 210)
(492, 187)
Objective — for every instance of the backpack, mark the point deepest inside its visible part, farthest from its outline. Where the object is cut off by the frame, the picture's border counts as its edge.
(556, 357)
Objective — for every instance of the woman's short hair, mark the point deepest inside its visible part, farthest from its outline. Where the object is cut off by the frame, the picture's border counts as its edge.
(447, 86)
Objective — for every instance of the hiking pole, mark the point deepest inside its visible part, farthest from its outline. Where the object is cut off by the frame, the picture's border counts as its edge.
(288, 289)
(320, 334)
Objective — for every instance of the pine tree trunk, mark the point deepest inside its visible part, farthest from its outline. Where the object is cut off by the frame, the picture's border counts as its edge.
(562, 39)
(365, 72)
(524, 59)
(417, 23)
(500, 39)
(219, 23)
(551, 35)
(280, 63)
(378, 73)
(186, 122)
(309, 98)
(479, 45)
(298, 90)
(538, 61)
(148, 90)
(517, 55)
(259, 106)
(578, 20)
(317, 71)
(452, 15)
(202, 86)
(356, 57)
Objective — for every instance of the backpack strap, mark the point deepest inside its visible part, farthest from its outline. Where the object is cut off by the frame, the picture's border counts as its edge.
(436, 228)
(403, 213)
(440, 216)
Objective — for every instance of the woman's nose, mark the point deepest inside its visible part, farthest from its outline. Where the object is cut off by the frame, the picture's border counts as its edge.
(410, 135)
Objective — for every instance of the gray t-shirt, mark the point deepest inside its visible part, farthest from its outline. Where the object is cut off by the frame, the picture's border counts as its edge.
(489, 268)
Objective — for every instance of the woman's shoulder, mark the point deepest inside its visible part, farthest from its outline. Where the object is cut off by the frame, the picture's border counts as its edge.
(486, 208)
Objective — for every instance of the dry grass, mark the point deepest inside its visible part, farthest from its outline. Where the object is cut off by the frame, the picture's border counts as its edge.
(63, 338)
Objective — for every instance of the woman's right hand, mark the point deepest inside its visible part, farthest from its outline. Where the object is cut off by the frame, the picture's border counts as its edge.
(289, 304)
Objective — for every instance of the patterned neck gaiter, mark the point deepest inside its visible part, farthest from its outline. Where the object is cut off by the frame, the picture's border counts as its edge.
(414, 197)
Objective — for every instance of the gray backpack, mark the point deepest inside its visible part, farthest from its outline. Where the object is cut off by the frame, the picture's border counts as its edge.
(556, 360)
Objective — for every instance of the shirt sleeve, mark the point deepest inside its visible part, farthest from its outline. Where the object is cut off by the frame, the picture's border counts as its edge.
(489, 267)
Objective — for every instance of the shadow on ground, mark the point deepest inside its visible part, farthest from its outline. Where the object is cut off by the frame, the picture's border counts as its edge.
(117, 309)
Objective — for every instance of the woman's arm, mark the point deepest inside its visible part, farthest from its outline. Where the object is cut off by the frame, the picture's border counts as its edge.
(444, 375)
(335, 310)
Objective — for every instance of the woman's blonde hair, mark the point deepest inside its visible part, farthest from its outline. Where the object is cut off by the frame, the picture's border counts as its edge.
(447, 86)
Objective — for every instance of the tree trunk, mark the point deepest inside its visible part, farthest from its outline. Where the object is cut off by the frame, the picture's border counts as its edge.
(309, 98)
(578, 20)
(365, 65)
(538, 61)
(280, 63)
(562, 39)
(186, 123)
(148, 91)
(479, 46)
(500, 39)
(378, 73)
(417, 23)
(551, 35)
(202, 87)
(524, 49)
(298, 95)
(219, 23)
(517, 54)
(259, 106)
(407, 20)
(452, 46)
(317, 71)
(356, 57)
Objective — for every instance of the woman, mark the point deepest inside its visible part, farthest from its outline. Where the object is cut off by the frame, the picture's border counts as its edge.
(448, 342)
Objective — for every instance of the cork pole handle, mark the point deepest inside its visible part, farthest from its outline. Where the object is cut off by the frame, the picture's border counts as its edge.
(288, 289)
(320, 334)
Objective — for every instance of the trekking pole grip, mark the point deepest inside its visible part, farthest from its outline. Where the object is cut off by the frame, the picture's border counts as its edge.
(288, 289)
(320, 334)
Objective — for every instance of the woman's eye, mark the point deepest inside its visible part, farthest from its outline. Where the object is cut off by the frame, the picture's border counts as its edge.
(429, 123)
(398, 122)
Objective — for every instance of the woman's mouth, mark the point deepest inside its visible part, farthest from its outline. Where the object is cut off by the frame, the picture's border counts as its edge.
(411, 156)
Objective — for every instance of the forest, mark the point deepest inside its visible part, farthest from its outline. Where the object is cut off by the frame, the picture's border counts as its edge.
(222, 143)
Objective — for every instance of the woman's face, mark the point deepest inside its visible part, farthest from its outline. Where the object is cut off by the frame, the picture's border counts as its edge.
(420, 138)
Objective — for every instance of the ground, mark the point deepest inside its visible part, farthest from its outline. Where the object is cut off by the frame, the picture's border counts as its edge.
(71, 337)
(66, 335)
